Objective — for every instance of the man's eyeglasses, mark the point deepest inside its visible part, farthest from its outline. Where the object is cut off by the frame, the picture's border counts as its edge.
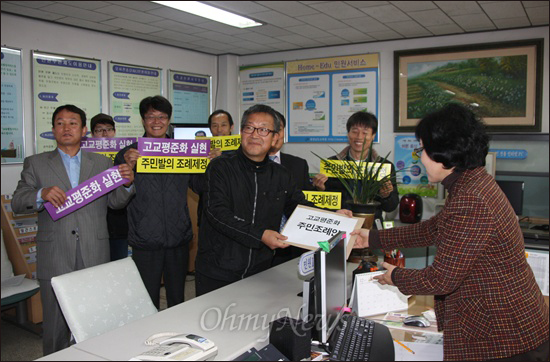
(261, 131)
(99, 131)
(162, 118)
(417, 151)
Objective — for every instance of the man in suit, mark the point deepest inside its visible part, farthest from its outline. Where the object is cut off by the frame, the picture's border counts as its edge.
(78, 240)
(299, 169)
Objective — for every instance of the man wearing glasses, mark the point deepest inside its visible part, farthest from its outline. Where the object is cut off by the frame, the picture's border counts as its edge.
(158, 216)
(103, 126)
(245, 199)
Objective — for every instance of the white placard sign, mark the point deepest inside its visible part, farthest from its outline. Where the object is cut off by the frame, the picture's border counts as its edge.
(369, 297)
(307, 226)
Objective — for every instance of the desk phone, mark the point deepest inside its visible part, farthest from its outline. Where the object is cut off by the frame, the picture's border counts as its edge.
(178, 347)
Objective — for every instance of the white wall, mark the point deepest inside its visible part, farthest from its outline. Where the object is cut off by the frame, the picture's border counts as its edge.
(29, 34)
(386, 50)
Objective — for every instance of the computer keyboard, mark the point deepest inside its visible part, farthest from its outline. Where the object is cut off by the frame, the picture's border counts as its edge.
(359, 339)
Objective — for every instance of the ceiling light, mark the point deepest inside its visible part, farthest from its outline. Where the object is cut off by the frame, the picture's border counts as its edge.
(210, 12)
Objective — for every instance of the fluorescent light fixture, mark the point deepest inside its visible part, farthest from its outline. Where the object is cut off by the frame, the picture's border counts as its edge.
(210, 12)
(38, 55)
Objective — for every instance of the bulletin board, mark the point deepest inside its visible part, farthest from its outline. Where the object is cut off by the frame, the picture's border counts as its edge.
(264, 84)
(323, 93)
(13, 139)
(191, 97)
(128, 85)
(58, 80)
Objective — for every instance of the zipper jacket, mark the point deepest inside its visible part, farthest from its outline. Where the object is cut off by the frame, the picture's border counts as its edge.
(243, 198)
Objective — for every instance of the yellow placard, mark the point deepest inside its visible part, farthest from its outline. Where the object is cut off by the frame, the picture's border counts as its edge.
(345, 169)
(325, 199)
(111, 155)
(226, 143)
(158, 164)
(332, 64)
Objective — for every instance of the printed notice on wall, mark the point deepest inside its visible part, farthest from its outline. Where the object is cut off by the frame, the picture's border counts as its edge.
(58, 80)
(324, 93)
(262, 83)
(128, 85)
(13, 140)
(412, 176)
(190, 97)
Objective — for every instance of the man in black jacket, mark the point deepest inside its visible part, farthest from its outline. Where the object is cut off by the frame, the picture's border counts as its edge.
(245, 200)
(158, 216)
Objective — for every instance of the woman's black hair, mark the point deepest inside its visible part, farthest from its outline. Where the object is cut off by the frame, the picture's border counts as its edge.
(455, 137)
(158, 103)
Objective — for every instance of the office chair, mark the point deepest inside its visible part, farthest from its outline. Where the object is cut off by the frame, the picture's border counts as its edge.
(101, 298)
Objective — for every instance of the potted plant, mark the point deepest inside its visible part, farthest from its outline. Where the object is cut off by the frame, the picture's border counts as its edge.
(363, 180)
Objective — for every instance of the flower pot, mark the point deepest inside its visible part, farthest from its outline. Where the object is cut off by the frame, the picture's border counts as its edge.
(366, 211)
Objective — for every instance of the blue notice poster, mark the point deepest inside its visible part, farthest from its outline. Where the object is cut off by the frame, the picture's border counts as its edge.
(190, 97)
(411, 173)
(13, 140)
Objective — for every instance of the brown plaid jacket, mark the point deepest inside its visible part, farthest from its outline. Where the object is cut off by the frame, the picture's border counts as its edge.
(486, 299)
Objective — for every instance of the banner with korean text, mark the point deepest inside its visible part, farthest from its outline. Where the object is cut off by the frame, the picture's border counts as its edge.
(172, 156)
(325, 199)
(13, 139)
(108, 147)
(128, 85)
(62, 79)
(323, 93)
(86, 192)
(225, 143)
(190, 96)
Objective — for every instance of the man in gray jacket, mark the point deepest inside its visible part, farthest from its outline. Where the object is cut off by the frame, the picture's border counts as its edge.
(78, 240)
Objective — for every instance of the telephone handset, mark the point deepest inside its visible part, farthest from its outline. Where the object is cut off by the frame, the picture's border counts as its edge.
(178, 347)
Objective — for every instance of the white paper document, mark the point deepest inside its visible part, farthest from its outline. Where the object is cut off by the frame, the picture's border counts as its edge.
(307, 226)
(372, 298)
(422, 352)
(539, 264)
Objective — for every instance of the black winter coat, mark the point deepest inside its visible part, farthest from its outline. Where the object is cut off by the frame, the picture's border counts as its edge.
(158, 216)
(243, 198)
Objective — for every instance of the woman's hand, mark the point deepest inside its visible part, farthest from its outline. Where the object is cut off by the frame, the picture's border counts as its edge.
(385, 279)
(362, 240)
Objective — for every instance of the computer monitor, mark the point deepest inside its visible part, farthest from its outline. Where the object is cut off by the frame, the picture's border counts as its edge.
(330, 281)
(190, 131)
(514, 192)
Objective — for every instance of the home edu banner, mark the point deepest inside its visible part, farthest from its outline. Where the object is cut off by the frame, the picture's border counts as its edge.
(225, 143)
(87, 192)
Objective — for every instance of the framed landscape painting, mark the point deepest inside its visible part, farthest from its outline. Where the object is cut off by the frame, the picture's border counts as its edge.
(501, 82)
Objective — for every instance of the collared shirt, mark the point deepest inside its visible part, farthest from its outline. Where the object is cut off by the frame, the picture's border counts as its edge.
(72, 166)
(276, 157)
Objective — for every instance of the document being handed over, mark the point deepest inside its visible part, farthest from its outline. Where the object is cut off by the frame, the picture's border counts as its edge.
(307, 226)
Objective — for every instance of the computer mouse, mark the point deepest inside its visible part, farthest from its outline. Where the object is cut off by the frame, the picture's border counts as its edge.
(416, 321)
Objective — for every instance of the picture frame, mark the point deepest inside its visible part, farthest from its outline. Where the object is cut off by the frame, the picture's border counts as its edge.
(501, 81)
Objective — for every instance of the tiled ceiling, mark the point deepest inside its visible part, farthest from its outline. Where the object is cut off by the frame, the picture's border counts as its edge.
(288, 25)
